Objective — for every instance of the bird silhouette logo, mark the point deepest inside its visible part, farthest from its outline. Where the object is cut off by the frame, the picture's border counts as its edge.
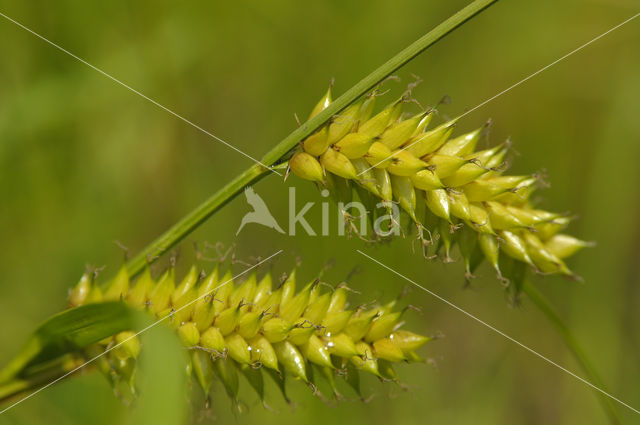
(260, 213)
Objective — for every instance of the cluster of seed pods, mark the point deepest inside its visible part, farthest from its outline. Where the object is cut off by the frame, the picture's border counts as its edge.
(254, 328)
(443, 184)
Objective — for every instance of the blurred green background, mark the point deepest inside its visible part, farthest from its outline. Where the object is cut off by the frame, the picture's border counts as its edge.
(84, 162)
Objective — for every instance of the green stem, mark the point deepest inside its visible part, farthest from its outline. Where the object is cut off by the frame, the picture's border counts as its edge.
(19, 386)
(254, 173)
(195, 218)
(572, 343)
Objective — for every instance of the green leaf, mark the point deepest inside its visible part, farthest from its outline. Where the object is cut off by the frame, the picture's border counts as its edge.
(162, 380)
(70, 331)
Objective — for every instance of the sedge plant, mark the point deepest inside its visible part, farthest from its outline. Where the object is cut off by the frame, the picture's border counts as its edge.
(451, 193)
(257, 328)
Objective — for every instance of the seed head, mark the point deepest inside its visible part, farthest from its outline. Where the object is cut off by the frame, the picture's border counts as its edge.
(253, 326)
(441, 182)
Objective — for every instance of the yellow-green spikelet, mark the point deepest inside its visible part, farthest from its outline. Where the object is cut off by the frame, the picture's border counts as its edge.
(255, 326)
(460, 186)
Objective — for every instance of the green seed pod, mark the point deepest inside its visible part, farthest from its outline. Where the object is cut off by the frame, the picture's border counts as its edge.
(203, 310)
(378, 155)
(514, 246)
(445, 165)
(358, 326)
(119, 285)
(501, 217)
(367, 176)
(541, 257)
(459, 206)
(398, 134)
(376, 125)
(291, 359)
(276, 329)
(161, 295)
(365, 359)
(341, 345)
(306, 166)
(491, 250)
(431, 140)
(338, 299)
(250, 323)
(405, 164)
(221, 294)
(316, 351)
(336, 322)
(366, 109)
(547, 229)
(293, 308)
(383, 183)
(529, 217)
(438, 202)
(382, 326)
(426, 180)
(343, 123)
(318, 308)
(263, 290)
(185, 307)
(317, 143)
(288, 287)
(477, 165)
(422, 125)
(209, 284)
(238, 349)
(407, 341)
(262, 351)
(188, 283)
(461, 145)
(128, 345)
(563, 246)
(245, 292)
(486, 190)
(140, 292)
(80, 292)
(228, 319)
(387, 350)
(203, 315)
(354, 145)
(496, 160)
(189, 334)
(338, 164)
(301, 333)
(480, 219)
(405, 193)
(212, 339)
(95, 295)
(322, 104)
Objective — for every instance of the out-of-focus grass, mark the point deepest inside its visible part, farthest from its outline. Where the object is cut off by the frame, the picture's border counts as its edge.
(84, 162)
